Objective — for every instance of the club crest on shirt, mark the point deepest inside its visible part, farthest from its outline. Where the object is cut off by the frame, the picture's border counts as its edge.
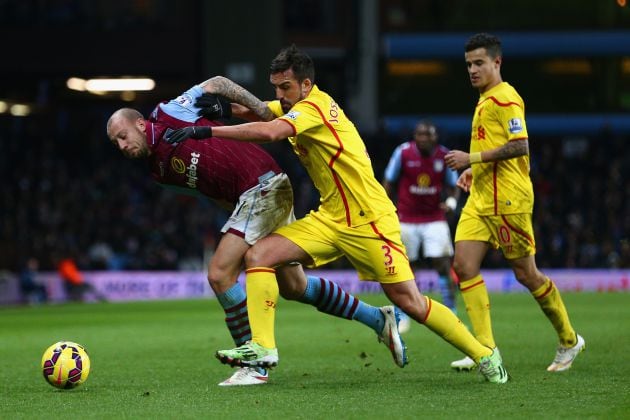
(515, 125)
(178, 165)
(438, 165)
(184, 100)
(292, 115)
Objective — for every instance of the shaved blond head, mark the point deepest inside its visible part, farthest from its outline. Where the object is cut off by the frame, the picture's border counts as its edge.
(128, 114)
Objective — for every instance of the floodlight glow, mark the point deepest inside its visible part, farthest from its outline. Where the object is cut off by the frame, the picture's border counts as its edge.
(19, 110)
(118, 85)
(76, 83)
(3, 107)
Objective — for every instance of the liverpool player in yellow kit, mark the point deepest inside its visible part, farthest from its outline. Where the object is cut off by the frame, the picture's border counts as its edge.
(499, 209)
(355, 218)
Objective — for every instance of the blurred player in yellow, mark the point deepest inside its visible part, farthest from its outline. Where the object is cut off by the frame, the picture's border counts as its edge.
(498, 212)
(355, 218)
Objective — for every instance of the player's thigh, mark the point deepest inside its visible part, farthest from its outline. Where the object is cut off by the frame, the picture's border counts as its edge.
(315, 236)
(274, 250)
(436, 239)
(473, 227)
(411, 238)
(262, 209)
(376, 250)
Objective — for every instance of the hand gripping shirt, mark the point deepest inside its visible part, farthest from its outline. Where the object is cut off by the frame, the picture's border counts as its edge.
(217, 168)
(502, 187)
(335, 157)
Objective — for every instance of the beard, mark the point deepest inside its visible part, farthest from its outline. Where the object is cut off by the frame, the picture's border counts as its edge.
(286, 106)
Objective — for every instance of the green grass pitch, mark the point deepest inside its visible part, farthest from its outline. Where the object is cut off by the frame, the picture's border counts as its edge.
(155, 360)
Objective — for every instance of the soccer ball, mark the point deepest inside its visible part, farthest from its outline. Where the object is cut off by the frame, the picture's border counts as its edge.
(65, 364)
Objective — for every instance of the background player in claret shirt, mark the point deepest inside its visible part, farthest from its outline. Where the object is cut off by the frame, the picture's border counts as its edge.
(355, 218)
(498, 212)
(426, 191)
(241, 177)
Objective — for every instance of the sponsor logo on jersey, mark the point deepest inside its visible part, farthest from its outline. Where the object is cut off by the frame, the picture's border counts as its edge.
(423, 186)
(515, 125)
(423, 180)
(178, 165)
(191, 172)
(292, 115)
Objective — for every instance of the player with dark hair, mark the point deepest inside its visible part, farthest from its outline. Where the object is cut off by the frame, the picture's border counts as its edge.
(355, 218)
(498, 212)
(247, 180)
(426, 191)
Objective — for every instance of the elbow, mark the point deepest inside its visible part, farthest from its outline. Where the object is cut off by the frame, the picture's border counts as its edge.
(214, 85)
(218, 79)
(272, 137)
(274, 131)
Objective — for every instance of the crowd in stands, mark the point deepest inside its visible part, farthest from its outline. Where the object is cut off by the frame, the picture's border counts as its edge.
(67, 191)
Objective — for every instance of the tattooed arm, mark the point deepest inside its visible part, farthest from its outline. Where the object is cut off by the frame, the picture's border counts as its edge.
(223, 86)
(456, 159)
(509, 150)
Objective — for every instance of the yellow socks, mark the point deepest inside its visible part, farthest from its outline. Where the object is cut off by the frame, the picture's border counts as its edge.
(262, 296)
(550, 301)
(444, 323)
(477, 302)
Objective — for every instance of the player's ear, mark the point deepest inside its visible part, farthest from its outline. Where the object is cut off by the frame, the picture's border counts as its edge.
(306, 85)
(140, 123)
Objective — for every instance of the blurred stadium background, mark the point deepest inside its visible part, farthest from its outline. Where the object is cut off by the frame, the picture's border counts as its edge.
(66, 191)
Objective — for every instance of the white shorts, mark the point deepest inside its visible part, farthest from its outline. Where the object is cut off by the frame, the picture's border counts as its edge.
(262, 209)
(435, 238)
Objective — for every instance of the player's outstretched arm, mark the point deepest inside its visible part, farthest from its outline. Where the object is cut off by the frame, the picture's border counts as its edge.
(458, 160)
(220, 85)
(254, 132)
(509, 150)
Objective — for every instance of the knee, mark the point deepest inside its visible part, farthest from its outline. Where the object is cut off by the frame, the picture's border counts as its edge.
(220, 279)
(532, 279)
(463, 269)
(255, 257)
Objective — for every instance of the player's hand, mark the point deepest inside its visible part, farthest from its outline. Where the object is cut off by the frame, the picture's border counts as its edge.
(465, 180)
(192, 132)
(213, 106)
(457, 160)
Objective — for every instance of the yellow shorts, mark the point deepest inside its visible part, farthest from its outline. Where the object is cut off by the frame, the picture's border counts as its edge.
(513, 233)
(375, 249)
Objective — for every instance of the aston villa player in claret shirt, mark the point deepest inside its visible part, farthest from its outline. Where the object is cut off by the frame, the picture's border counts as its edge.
(242, 177)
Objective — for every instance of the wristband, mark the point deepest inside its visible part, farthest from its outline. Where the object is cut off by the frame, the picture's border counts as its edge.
(201, 132)
(451, 203)
(475, 158)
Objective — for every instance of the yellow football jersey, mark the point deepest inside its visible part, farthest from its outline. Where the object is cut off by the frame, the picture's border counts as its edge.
(502, 187)
(335, 157)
